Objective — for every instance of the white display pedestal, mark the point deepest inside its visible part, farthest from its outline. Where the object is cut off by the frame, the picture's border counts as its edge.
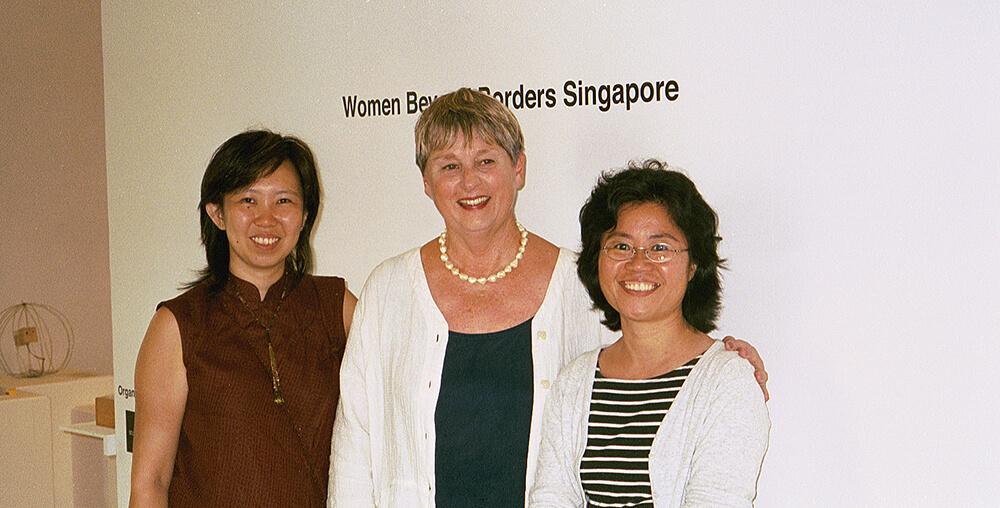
(95, 467)
(36, 464)
(26, 451)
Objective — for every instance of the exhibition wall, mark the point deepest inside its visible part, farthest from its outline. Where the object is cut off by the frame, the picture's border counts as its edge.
(54, 248)
(849, 149)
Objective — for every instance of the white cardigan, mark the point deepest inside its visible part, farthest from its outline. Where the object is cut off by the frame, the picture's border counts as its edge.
(383, 446)
(707, 452)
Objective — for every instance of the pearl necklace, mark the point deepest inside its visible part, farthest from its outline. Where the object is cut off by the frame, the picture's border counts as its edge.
(483, 280)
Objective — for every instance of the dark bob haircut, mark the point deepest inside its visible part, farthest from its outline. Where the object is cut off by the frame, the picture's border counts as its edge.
(652, 182)
(237, 164)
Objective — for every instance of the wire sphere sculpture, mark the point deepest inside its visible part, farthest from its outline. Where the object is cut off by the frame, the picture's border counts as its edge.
(35, 339)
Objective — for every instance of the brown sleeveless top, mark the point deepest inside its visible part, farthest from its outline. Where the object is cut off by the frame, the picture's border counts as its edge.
(238, 447)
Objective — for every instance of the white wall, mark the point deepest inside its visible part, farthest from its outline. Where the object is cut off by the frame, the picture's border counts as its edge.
(849, 151)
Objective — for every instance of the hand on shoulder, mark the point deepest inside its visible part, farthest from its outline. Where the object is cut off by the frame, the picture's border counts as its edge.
(749, 352)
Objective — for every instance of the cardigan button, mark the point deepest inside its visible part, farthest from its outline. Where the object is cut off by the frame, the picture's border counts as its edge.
(545, 384)
(541, 335)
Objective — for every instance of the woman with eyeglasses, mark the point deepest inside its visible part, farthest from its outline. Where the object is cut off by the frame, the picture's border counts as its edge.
(664, 416)
(455, 344)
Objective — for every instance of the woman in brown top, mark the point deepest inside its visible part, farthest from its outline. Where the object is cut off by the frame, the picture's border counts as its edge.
(237, 378)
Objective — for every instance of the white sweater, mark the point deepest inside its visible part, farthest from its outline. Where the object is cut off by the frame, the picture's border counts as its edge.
(707, 452)
(383, 446)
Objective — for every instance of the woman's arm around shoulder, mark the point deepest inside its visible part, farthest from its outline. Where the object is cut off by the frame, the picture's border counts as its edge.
(161, 395)
(750, 353)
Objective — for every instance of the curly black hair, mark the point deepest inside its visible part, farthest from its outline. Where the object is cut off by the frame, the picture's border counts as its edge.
(653, 182)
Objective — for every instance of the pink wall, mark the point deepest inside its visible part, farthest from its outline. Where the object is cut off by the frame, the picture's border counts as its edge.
(54, 225)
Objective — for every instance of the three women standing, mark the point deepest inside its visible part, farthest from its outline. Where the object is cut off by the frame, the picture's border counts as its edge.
(454, 348)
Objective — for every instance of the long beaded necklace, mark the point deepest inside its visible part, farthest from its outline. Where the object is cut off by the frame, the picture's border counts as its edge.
(275, 379)
(482, 280)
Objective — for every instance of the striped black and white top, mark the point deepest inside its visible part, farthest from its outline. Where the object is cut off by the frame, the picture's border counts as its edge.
(624, 417)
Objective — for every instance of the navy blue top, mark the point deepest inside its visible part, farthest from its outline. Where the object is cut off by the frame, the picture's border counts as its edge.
(483, 419)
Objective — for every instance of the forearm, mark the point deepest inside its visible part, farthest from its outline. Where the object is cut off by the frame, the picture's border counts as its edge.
(351, 482)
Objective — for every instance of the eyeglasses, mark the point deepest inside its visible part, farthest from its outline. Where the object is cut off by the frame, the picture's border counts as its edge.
(657, 253)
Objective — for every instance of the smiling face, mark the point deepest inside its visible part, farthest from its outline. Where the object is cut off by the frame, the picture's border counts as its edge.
(474, 185)
(640, 290)
(262, 223)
